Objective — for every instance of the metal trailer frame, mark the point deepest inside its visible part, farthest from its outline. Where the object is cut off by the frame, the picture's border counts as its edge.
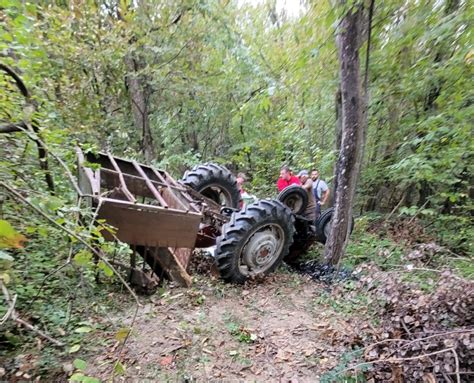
(160, 218)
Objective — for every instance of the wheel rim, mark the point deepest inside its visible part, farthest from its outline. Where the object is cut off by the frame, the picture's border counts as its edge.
(261, 250)
(217, 194)
(294, 202)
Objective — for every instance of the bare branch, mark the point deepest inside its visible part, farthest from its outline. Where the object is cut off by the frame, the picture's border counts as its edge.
(39, 141)
(13, 315)
(19, 82)
(399, 360)
(11, 127)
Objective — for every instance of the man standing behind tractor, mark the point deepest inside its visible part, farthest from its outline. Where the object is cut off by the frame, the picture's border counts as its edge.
(286, 178)
(307, 185)
(320, 191)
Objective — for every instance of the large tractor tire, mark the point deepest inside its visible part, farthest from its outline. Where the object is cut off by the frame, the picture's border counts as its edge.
(295, 197)
(255, 241)
(214, 182)
(323, 225)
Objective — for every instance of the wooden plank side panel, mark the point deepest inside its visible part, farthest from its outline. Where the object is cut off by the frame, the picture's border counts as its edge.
(151, 228)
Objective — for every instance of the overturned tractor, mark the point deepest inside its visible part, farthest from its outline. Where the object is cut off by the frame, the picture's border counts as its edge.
(163, 220)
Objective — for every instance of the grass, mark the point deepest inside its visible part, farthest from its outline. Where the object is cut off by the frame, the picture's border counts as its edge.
(239, 331)
(339, 375)
(352, 301)
(464, 267)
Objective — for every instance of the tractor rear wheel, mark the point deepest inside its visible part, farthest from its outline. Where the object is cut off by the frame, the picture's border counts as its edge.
(323, 225)
(214, 182)
(255, 240)
(295, 197)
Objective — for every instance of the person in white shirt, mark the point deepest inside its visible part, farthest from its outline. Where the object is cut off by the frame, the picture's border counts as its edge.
(320, 191)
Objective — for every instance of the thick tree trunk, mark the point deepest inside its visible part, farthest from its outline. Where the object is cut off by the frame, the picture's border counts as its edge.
(353, 126)
(338, 140)
(139, 95)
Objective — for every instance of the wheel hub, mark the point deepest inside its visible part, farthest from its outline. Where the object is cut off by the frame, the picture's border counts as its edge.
(293, 202)
(261, 250)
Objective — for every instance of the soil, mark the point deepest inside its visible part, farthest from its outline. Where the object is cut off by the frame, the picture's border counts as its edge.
(276, 330)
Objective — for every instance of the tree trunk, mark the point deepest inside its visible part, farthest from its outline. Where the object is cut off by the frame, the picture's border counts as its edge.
(338, 104)
(353, 127)
(139, 95)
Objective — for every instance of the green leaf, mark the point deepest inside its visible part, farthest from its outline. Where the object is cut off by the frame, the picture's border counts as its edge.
(106, 269)
(43, 232)
(83, 330)
(54, 203)
(80, 364)
(122, 333)
(119, 368)
(83, 257)
(90, 379)
(77, 377)
(8, 3)
(5, 277)
(74, 348)
(31, 229)
(92, 165)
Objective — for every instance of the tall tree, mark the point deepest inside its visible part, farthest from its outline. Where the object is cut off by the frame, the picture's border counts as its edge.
(354, 122)
(139, 96)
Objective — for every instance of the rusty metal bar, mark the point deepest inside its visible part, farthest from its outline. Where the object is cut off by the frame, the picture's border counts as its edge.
(156, 184)
(171, 192)
(170, 178)
(158, 175)
(126, 175)
(176, 186)
(122, 180)
(150, 184)
(180, 188)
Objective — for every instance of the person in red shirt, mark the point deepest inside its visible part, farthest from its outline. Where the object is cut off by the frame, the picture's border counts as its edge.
(287, 178)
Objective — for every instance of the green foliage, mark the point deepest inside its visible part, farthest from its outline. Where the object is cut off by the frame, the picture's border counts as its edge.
(341, 373)
(238, 331)
(456, 232)
(370, 247)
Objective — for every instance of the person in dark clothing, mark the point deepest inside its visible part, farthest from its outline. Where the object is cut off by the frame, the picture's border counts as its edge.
(307, 184)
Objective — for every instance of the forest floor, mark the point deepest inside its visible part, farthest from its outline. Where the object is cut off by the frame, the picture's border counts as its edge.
(402, 300)
(280, 329)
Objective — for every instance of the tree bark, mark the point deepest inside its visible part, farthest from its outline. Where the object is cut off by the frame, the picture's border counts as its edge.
(353, 127)
(338, 140)
(139, 96)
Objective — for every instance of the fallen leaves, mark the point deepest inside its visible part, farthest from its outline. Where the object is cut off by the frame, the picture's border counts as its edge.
(416, 323)
(166, 361)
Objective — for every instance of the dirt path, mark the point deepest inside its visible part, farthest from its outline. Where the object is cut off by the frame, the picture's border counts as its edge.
(277, 330)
